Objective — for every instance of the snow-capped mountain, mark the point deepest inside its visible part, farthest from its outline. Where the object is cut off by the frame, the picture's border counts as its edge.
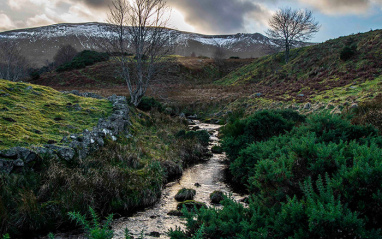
(40, 44)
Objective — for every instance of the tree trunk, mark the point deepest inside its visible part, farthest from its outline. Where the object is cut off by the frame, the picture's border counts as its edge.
(287, 49)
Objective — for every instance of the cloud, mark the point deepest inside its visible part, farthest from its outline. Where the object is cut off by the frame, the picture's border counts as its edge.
(39, 20)
(342, 7)
(219, 16)
(6, 22)
(97, 3)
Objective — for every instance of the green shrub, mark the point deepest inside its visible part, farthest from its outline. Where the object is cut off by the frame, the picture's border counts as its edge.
(83, 59)
(258, 127)
(348, 52)
(333, 128)
(149, 103)
(322, 179)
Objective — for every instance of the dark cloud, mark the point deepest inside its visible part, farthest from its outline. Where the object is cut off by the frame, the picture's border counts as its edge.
(97, 3)
(218, 16)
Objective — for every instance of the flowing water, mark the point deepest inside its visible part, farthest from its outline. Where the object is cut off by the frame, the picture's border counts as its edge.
(210, 176)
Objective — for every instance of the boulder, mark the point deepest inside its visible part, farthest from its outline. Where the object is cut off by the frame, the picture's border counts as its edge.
(18, 163)
(65, 153)
(307, 106)
(9, 153)
(182, 116)
(185, 194)
(175, 213)
(154, 234)
(216, 149)
(216, 197)
(6, 166)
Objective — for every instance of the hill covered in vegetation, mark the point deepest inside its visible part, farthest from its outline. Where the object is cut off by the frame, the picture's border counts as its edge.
(344, 69)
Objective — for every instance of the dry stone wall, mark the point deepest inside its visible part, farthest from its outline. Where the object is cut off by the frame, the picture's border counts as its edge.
(74, 146)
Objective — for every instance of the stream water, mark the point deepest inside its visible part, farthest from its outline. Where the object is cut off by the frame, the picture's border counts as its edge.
(210, 176)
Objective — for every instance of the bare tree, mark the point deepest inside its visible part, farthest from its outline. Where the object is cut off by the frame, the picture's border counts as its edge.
(289, 27)
(140, 29)
(64, 54)
(13, 66)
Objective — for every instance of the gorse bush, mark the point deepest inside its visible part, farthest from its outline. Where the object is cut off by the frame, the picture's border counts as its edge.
(83, 59)
(321, 179)
(258, 127)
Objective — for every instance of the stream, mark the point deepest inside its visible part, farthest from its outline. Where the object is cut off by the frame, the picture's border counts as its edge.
(154, 220)
(210, 176)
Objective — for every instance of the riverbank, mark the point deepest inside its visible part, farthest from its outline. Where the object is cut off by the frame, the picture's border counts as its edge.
(204, 178)
(123, 176)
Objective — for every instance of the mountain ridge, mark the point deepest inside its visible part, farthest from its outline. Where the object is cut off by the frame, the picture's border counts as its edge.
(40, 44)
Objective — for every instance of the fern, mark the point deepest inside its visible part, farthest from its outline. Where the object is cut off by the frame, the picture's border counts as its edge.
(93, 229)
(6, 236)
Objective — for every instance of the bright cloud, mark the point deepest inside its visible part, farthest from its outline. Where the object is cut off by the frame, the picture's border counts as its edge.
(6, 22)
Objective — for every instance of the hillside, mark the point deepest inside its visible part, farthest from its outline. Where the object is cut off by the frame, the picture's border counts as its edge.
(317, 73)
(183, 81)
(39, 45)
(38, 115)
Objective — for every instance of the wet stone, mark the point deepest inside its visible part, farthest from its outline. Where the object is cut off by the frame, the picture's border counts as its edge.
(175, 213)
(154, 234)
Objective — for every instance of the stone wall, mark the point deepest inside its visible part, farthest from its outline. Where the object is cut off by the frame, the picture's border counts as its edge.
(74, 146)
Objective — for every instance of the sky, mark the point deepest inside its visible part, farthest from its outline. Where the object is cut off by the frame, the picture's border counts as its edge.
(336, 17)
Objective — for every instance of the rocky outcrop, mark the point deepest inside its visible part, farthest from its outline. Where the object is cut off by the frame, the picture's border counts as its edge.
(76, 145)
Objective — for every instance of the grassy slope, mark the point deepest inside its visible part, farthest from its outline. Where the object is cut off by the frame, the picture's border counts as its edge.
(33, 116)
(317, 72)
(103, 77)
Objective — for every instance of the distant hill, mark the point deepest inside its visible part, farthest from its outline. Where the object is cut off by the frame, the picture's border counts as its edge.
(344, 69)
(40, 44)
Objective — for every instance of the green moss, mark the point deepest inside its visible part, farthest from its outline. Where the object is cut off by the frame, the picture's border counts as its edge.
(33, 115)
